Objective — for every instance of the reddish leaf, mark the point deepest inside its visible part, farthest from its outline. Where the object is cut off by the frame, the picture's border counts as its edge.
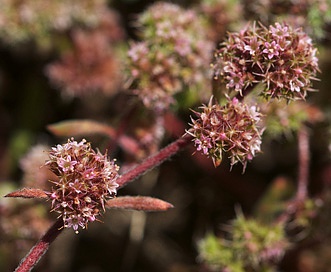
(140, 203)
(87, 127)
(80, 127)
(28, 193)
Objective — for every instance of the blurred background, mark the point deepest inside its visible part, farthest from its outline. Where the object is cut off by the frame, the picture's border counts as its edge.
(64, 60)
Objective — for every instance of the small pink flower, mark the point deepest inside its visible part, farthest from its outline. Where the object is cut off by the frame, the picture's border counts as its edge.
(271, 49)
(236, 81)
(253, 46)
(280, 30)
(203, 144)
(66, 164)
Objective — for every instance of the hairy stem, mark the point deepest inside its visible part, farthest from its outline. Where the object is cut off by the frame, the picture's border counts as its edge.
(303, 172)
(35, 254)
(154, 160)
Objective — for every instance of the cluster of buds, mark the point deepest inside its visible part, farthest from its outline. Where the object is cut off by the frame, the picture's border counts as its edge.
(281, 58)
(86, 179)
(173, 54)
(258, 243)
(250, 246)
(36, 19)
(232, 128)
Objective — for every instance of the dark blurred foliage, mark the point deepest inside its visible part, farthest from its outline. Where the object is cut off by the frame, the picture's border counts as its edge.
(204, 197)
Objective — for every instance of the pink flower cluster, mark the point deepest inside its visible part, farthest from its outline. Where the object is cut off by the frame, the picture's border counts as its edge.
(281, 58)
(174, 54)
(232, 128)
(86, 179)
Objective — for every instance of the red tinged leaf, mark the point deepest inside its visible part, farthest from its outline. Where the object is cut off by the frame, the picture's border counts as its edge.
(139, 203)
(28, 193)
(72, 128)
(80, 128)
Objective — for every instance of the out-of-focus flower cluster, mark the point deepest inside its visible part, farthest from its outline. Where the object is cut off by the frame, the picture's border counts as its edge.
(86, 179)
(252, 246)
(232, 128)
(281, 59)
(21, 226)
(92, 65)
(149, 133)
(221, 15)
(312, 15)
(21, 21)
(282, 118)
(174, 53)
(33, 175)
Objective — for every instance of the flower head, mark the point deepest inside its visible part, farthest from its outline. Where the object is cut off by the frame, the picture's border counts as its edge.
(86, 179)
(282, 58)
(231, 128)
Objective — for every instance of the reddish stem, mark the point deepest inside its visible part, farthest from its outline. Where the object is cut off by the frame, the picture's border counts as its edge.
(35, 254)
(154, 160)
(303, 153)
(303, 175)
